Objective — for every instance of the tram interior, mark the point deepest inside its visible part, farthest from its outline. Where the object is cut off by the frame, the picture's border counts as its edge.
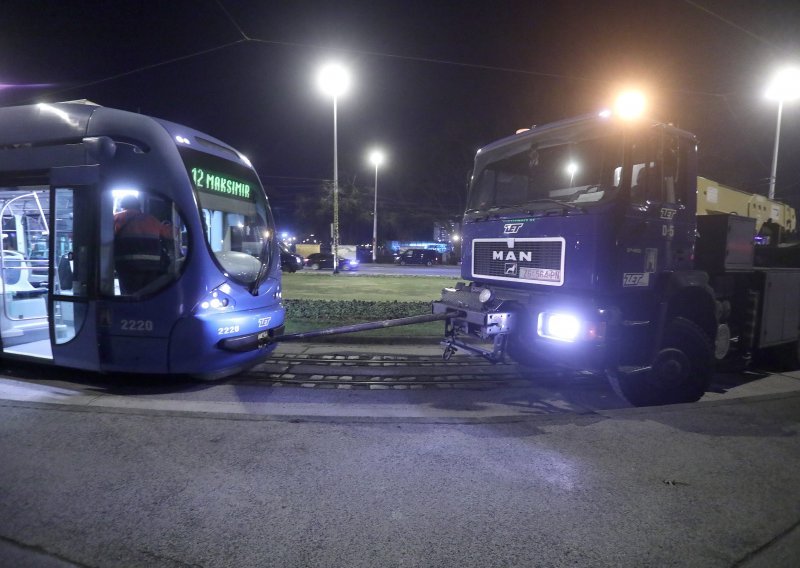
(24, 271)
(24, 327)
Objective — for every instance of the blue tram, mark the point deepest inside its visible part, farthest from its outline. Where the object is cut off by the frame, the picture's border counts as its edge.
(211, 304)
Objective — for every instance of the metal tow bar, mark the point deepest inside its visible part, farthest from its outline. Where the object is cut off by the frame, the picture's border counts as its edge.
(261, 339)
(411, 320)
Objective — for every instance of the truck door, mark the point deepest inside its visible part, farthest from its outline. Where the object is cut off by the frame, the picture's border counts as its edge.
(655, 233)
(73, 325)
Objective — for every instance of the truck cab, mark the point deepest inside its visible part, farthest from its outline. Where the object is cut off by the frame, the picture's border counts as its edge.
(578, 246)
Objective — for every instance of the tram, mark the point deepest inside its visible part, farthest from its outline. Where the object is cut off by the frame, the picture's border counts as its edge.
(212, 305)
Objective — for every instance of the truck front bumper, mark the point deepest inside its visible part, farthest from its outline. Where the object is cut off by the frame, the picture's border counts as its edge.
(562, 330)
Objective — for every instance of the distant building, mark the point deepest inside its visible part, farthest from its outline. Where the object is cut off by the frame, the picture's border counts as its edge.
(443, 232)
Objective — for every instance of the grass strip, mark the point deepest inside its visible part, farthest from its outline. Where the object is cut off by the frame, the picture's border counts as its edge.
(320, 301)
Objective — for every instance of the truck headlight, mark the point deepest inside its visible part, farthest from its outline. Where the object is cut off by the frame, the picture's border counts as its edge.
(569, 328)
(563, 327)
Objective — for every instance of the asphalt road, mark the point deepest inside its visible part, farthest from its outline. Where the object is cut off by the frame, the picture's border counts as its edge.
(114, 472)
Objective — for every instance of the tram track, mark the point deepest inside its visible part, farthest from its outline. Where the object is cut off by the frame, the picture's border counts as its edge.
(383, 371)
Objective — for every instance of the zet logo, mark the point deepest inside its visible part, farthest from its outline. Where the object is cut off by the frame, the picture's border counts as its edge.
(511, 228)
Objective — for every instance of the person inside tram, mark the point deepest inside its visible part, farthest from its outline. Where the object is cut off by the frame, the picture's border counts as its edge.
(141, 246)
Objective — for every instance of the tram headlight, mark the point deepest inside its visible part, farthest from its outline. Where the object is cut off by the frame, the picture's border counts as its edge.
(216, 301)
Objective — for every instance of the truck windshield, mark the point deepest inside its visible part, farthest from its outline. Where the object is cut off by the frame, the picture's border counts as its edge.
(235, 214)
(544, 175)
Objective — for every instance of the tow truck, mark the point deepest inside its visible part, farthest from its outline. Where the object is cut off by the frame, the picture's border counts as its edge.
(584, 246)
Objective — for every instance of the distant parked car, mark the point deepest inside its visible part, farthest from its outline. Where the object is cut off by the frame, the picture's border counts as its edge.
(419, 256)
(325, 260)
(290, 262)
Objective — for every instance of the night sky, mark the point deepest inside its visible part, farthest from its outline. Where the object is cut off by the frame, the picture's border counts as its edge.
(433, 81)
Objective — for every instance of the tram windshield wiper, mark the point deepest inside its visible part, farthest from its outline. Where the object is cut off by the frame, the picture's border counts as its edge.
(262, 272)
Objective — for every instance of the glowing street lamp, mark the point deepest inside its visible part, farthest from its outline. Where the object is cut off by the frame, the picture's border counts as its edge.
(630, 105)
(572, 169)
(334, 80)
(784, 87)
(376, 157)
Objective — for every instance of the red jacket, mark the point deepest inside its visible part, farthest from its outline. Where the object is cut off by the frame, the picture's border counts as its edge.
(140, 239)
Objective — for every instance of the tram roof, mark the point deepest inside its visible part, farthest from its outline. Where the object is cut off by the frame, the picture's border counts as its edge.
(44, 123)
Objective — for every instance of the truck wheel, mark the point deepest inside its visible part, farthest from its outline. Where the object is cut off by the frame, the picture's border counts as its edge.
(517, 352)
(681, 370)
(517, 343)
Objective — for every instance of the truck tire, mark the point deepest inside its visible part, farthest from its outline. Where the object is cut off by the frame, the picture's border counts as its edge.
(516, 350)
(518, 341)
(681, 370)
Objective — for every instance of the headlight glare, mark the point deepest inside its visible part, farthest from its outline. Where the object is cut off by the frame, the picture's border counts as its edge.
(562, 327)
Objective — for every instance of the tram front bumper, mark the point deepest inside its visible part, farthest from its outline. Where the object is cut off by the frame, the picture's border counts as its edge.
(251, 341)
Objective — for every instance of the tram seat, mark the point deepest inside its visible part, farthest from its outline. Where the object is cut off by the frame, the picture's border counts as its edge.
(15, 272)
(23, 314)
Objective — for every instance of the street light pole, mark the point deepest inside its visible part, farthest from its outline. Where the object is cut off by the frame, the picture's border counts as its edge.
(335, 194)
(334, 81)
(376, 157)
(774, 169)
(784, 87)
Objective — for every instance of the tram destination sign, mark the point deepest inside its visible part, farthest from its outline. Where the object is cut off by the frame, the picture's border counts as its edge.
(220, 184)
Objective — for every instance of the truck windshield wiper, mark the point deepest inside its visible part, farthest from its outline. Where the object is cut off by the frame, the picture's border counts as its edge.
(555, 202)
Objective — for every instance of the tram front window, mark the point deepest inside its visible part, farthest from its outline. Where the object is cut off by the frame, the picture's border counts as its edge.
(235, 214)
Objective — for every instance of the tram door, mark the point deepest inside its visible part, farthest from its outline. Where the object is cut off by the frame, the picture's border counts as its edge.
(73, 246)
(47, 254)
(24, 213)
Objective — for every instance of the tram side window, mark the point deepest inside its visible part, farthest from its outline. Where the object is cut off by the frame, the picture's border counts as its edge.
(149, 248)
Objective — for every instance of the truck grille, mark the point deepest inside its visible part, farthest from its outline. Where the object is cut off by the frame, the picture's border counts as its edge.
(539, 261)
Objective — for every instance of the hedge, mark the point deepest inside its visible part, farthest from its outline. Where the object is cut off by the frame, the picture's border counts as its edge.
(355, 310)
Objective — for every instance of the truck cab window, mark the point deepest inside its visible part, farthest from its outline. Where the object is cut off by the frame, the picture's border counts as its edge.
(645, 169)
(655, 173)
(579, 171)
(674, 186)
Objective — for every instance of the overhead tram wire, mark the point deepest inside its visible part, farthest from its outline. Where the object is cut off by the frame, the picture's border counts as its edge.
(244, 38)
(481, 66)
(142, 68)
(732, 24)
